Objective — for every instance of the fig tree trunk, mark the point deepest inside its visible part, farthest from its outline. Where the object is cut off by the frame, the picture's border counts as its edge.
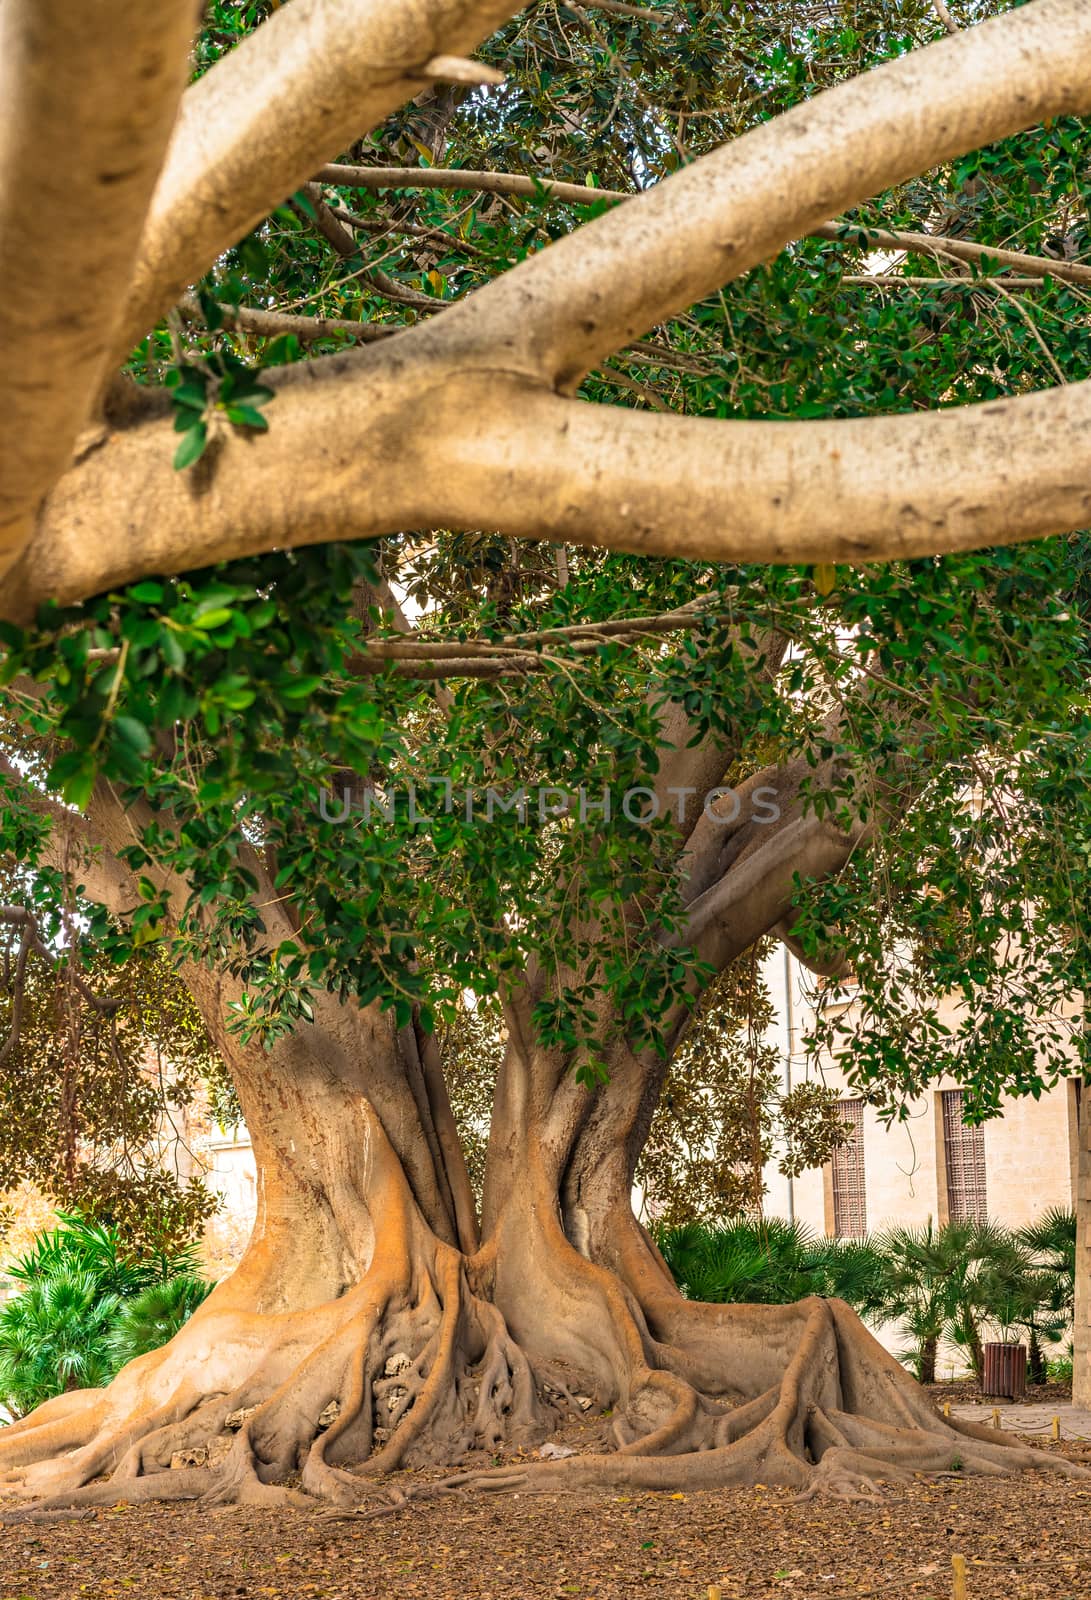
(368, 1328)
(1081, 1322)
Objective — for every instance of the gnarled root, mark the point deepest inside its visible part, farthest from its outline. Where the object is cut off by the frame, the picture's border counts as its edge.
(408, 1368)
(417, 1364)
(805, 1432)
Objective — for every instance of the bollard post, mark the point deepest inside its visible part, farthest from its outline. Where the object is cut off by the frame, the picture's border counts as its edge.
(715, 1592)
(996, 1418)
(958, 1578)
(1056, 1425)
(947, 1409)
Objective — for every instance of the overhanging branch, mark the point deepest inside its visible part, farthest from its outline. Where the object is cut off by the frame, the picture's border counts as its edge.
(344, 452)
(306, 83)
(560, 312)
(88, 94)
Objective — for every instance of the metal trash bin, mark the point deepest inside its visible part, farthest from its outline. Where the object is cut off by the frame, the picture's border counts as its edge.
(1005, 1371)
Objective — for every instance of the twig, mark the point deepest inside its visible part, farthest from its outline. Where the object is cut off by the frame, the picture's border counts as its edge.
(621, 9)
(960, 249)
(940, 8)
(889, 279)
(268, 324)
(525, 187)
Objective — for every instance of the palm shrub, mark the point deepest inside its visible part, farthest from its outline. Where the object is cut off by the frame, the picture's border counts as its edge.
(80, 1245)
(54, 1337)
(87, 1305)
(917, 1287)
(766, 1261)
(1052, 1243)
(154, 1316)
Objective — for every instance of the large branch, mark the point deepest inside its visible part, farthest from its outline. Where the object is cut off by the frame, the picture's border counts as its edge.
(88, 95)
(313, 78)
(876, 488)
(562, 311)
(345, 455)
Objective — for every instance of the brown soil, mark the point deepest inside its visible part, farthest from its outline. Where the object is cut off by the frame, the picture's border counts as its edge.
(967, 1391)
(1026, 1537)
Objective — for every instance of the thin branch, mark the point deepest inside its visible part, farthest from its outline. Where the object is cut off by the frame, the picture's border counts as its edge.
(940, 8)
(32, 943)
(941, 246)
(521, 186)
(906, 280)
(515, 184)
(308, 330)
(619, 8)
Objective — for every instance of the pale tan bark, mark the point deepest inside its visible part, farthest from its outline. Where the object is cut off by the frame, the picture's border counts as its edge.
(313, 78)
(88, 94)
(347, 447)
(346, 451)
(1081, 1322)
(562, 311)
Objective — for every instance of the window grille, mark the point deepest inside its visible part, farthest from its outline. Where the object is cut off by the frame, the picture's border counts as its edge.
(964, 1152)
(849, 1191)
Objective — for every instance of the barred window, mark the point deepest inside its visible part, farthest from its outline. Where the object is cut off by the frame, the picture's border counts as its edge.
(964, 1152)
(849, 1192)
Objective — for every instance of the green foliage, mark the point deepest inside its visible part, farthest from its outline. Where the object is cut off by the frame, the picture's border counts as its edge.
(965, 1282)
(724, 1109)
(154, 1316)
(87, 1304)
(80, 1245)
(768, 1262)
(99, 1062)
(54, 1337)
(1051, 1241)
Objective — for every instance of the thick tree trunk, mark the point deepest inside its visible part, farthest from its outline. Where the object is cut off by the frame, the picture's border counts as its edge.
(1081, 1321)
(363, 1330)
(350, 1330)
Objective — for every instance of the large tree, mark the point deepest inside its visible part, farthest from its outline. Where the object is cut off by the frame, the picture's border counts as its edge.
(211, 709)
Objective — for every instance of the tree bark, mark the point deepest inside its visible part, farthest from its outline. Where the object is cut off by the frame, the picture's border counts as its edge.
(928, 1360)
(1081, 1321)
(358, 1332)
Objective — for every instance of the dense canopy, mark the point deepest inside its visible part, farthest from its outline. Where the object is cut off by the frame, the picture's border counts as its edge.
(397, 640)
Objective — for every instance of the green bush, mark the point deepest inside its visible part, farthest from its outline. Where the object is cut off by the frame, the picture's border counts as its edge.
(54, 1337)
(965, 1282)
(78, 1245)
(85, 1308)
(154, 1317)
(768, 1261)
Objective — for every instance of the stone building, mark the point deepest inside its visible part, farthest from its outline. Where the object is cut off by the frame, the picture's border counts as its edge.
(933, 1165)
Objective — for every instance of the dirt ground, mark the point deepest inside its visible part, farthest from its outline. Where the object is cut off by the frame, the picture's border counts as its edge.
(1022, 1537)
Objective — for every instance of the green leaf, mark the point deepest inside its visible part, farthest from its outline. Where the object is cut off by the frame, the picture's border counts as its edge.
(133, 733)
(192, 447)
(247, 417)
(215, 617)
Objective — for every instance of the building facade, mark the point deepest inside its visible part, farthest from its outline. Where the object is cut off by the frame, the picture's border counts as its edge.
(932, 1165)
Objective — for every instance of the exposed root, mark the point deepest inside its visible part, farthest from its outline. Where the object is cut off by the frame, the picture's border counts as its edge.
(405, 1369)
(416, 1365)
